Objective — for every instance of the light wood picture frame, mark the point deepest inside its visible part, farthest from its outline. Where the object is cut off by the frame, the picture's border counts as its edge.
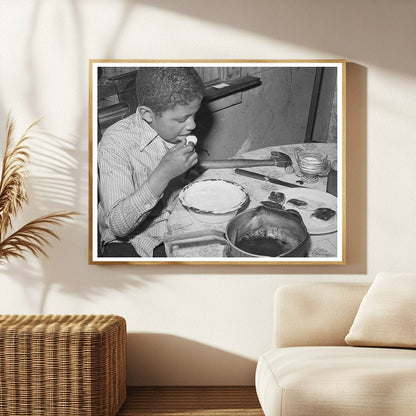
(268, 187)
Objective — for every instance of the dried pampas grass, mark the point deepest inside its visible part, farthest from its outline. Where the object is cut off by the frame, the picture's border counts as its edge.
(33, 236)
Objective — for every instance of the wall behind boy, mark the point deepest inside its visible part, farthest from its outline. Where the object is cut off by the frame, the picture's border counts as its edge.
(275, 112)
(204, 324)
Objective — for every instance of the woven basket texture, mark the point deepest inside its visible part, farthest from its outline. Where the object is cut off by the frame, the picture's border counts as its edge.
(53, 365)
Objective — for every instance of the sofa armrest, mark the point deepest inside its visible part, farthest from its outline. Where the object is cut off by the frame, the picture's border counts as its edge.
(315, 313)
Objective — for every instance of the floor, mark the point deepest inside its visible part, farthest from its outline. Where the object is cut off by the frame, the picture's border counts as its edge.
(195, 401)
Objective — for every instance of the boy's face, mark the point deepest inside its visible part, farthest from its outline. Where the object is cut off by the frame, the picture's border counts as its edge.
(175, 124)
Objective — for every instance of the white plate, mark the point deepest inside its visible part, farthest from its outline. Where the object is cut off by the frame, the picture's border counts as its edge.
(315, 199)
(213, 196)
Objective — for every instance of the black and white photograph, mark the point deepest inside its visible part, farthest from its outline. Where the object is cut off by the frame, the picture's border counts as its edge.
(207, 162)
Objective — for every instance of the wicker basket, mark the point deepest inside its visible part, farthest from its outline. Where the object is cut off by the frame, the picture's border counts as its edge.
(71, 365)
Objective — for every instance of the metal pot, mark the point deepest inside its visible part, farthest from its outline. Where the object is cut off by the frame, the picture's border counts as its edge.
(259, 232)
(265, 232)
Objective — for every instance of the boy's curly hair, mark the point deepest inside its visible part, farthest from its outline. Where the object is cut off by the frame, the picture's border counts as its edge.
(162, 88)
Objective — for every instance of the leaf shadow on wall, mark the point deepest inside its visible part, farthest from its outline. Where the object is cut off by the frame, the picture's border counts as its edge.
(334, 27)
(53, 187)
(60, 182)
(172, 360)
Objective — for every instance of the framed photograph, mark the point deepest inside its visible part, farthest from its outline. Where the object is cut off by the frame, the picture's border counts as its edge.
(217, 162)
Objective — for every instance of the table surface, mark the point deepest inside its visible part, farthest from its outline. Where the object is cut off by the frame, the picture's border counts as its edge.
(182, 221)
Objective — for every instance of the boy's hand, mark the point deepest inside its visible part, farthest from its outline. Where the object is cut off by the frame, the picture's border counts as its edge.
(175, 162)
(178, 159)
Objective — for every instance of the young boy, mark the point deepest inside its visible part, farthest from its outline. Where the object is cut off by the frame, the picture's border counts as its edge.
(139, 158)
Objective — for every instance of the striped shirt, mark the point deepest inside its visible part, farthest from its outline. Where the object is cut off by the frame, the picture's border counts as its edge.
(128, 153)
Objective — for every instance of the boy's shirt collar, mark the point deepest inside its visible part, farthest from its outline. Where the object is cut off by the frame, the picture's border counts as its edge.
(147, 133)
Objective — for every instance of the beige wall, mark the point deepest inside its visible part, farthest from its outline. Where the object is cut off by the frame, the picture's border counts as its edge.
(204, 324)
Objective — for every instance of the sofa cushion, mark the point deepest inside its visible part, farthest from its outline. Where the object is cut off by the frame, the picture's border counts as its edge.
(304, 381)
(386, 316)
(318, 313)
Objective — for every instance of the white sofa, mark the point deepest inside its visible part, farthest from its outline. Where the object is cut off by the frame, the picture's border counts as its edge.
(311, 370)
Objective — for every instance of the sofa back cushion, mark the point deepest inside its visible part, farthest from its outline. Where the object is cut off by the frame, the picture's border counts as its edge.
(387, 314)
(315, 313)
